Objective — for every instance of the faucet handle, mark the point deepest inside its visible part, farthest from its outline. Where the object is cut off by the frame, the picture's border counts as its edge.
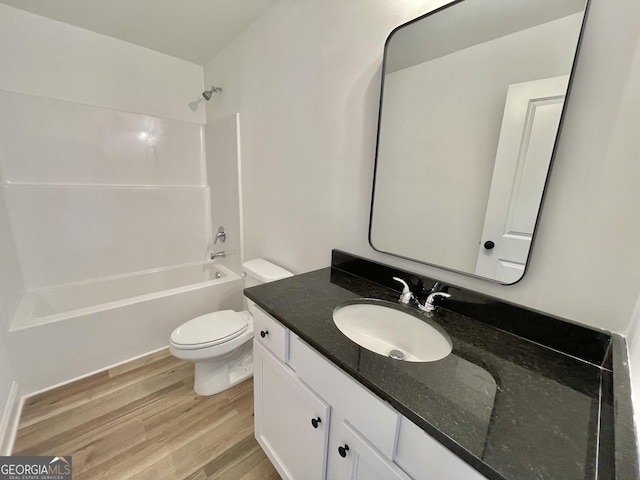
(221, 235)
(434, 295)
(406, 295)
(429, 306)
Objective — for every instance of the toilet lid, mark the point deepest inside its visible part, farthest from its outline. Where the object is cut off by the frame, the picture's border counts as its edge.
(210, 329)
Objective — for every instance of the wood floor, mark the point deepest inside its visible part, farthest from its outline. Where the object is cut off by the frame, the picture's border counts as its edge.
(143, 420)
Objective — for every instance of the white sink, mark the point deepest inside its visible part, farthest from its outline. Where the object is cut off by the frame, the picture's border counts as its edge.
(391, 332)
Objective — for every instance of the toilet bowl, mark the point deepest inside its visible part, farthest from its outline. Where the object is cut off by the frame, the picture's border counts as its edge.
(220, 343)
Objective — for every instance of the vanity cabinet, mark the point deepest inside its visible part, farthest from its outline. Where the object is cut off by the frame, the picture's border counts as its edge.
(314, 421)
(284, 411)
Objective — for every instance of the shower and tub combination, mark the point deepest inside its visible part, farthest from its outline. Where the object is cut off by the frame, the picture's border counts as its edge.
(100, 296)
(196, 308)
(86, 327)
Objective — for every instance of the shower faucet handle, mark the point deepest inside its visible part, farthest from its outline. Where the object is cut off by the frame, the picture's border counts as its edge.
(221, 235)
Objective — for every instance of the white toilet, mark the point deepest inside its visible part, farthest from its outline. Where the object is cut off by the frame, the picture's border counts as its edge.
(220, 342)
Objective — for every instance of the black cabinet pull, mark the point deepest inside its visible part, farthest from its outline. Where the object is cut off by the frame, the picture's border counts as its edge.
(264, 333)
(489, 244)
(343, 450)
(315, 422)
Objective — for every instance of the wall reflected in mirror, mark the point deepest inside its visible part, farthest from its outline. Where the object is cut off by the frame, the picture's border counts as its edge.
(471, 103)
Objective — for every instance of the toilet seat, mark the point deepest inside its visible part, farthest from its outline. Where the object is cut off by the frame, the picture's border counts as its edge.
(209, 330)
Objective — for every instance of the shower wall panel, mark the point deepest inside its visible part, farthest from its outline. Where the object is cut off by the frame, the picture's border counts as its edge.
(93, 191)
(11, 283)
(74, 233)
(50, 141)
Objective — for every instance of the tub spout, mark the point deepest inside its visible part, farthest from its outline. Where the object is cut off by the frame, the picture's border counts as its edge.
(215, 255)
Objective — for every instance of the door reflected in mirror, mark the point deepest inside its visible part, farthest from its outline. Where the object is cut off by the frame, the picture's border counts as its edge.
(472, 98)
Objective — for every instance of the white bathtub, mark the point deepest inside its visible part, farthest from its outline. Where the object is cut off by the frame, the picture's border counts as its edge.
(73, 300)
(83, 327)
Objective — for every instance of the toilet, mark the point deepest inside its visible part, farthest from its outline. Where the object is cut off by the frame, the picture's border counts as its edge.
(220, 343)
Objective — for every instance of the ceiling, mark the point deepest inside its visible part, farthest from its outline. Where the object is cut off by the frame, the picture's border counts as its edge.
(194, 30)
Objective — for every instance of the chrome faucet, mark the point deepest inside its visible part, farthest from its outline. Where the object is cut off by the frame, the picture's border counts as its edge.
(215, 255)
(407, 295)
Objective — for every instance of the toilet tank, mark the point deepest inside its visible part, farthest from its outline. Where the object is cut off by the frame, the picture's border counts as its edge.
(260, 271)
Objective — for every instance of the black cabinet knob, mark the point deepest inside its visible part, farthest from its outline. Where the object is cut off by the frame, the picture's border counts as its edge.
(489, 244)
(315, 422)
(264, 333)
(343, 450)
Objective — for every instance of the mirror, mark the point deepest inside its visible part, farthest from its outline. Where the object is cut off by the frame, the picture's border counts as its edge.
(471, 103)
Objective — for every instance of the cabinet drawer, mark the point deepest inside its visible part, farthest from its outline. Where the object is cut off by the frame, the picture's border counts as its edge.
(269, 333)
(367, 413)
(424, 458)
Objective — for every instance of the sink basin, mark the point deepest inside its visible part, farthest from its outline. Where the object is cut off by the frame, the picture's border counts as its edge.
(391, 332)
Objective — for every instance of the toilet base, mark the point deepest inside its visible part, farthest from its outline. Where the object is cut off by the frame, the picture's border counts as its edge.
(218, 374)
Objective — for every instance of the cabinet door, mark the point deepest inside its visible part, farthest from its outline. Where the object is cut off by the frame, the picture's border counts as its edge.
(422, 457)
(374, 419)
(291, 422)
(351, 457)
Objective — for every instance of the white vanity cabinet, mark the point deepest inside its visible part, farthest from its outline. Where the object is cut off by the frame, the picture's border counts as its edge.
(284, 410)
(316, 422)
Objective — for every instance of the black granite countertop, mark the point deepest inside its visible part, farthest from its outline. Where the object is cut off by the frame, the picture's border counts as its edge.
(507, 405)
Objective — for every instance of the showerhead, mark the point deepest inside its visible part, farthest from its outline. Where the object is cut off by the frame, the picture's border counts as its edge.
(207, 94)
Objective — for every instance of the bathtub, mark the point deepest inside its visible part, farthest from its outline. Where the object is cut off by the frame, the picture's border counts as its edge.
(111, 293)
(88, 326)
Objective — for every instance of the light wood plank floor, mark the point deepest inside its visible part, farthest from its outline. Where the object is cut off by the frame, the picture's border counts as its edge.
(142, 420)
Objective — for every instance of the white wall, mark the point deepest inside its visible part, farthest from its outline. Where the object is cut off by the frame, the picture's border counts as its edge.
(44, 57)
(305, 79)
(102, 150)
(626, 130)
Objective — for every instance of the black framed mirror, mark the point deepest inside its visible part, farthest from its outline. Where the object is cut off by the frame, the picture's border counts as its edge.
(473, 95)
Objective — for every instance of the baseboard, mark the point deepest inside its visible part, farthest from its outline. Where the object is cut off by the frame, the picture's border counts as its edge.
(10, 420)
